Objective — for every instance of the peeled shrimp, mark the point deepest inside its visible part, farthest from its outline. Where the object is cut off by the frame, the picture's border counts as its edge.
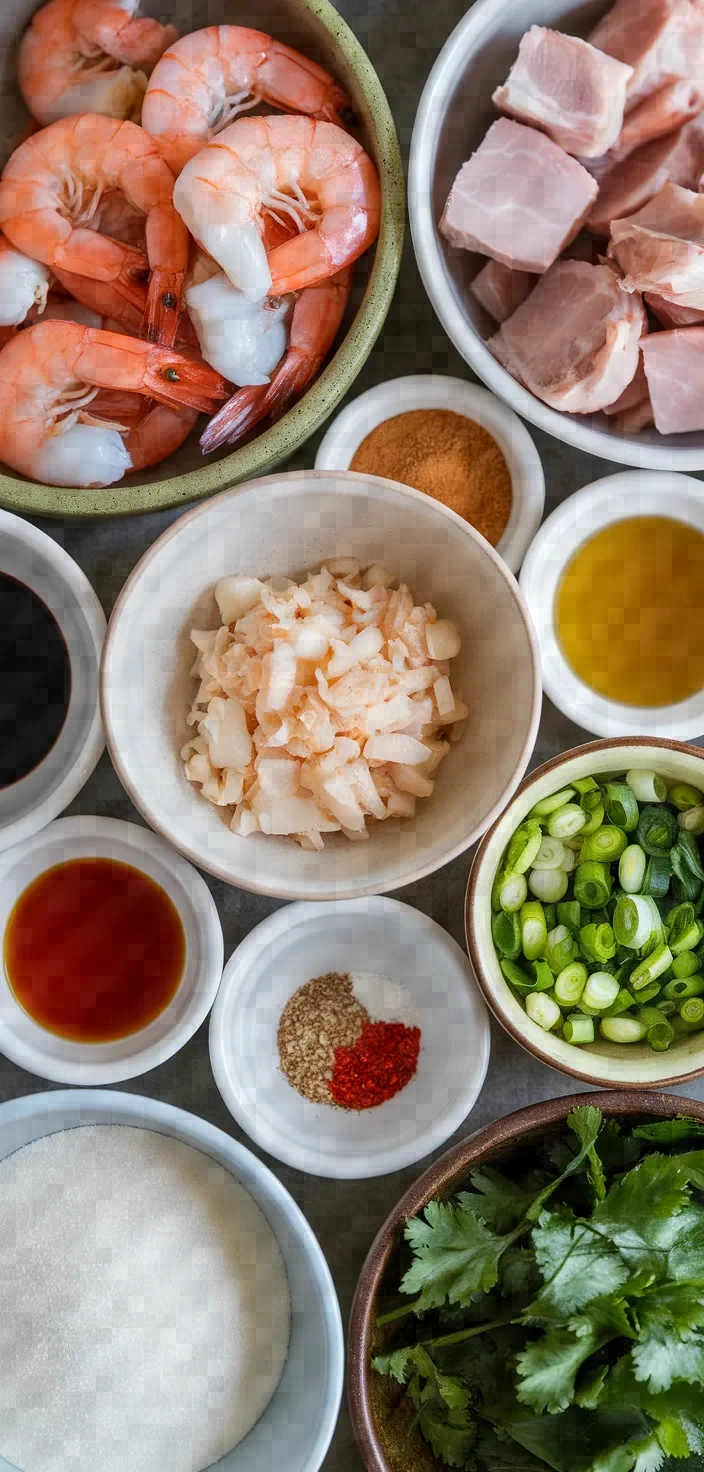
(80, 56)
(24, 284)
(206, 79)
(49, 377)
(312, 173)
(316, 318)
(51, 189)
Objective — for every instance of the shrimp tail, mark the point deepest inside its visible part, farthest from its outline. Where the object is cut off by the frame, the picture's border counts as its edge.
(240, 414)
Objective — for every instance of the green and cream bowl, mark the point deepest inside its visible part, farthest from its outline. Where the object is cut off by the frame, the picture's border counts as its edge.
(314, 27)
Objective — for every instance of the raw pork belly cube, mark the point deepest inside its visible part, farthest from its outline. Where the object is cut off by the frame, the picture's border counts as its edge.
(575, 342)
(499, 290)
(660, 39)
(674, 367)
(632, 410)
(662, 112)
(676, 159)
(575, 93)
(672, 313)
(661, 248)
(519, 198)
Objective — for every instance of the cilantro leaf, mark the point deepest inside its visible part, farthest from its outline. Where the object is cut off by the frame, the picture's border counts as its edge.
(503, 1454)
(640, 1209)
(397, 1364)
(670, 1131)
(449, 1435)
(677, 1412)
(649, 1455)
(693, 1163)
(685, 1261)
(586, 1123)
(608, 1316)
(548, 1367)
(455, 1255)
(668, 1346)
(588, 1393)
(499, 1202)
(586, 1127)
(576, 1263)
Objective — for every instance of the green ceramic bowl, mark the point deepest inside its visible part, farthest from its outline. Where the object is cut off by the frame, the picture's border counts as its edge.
(316, 28)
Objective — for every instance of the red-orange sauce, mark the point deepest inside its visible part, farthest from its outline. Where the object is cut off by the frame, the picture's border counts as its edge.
(94, 950)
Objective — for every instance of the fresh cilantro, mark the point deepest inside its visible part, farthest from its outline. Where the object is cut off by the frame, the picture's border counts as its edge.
(669, 1131)
(547, 1369)
(499, 1202)
(455, 1255)
(576, 1265)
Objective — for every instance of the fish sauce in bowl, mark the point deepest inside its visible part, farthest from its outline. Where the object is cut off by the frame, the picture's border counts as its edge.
(35, 680)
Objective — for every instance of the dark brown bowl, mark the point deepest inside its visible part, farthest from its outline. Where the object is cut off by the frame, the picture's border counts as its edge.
(605, 1065)
(379, 1413)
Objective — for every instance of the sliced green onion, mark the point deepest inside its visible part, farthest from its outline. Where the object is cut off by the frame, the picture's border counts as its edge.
(548, 884)
(570, 984)
(574, 843)
(647, 993)
(684, 931)
(548, 805)
(635, 917)
(682, 987)
(657, 830)
(534, 934)
(542, 976)
(569, 861)
(523, 847)
(666, 1006)
(685, 885)
(621, 806)
(592, 884)
(660, 1035)
(646, 784)
(561, 948)
(585, 784)
(550, 912)
(692, 1012)
(650, 1016)
(684, 797)
(519, 979)
(550, 855)
(653, 966)
(513, 892)
(685, 964)
(622, 1029)
(606, 844)
(567, 821)
(687, 846)
(597, 942)
(569, 913)
(506, 935)
(600, 991)
(656, 880)
(595, 819)
(631, 868)
(541, 1008)
(578, 1030)
(693, 820)
(621, 1003)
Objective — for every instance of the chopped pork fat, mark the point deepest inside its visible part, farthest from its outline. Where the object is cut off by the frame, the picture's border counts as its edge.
(661, 248)
(672, 313)
(499, 290)
(633, 410)
(666, 110)
(575, 342)
(519, 199)
(660, 39)
(575, 93)
(674, 366)
(677, 158)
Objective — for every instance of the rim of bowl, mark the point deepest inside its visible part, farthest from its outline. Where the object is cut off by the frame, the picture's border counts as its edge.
(442, 1176)
(372, 885)
(622, 497)
(440, 391)
(148, 1113)
(101, 833)
(85, 757)
(447, 303)
(293, 429)
(242, 1104)
(492, 998)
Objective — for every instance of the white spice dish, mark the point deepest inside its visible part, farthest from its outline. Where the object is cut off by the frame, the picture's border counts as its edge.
(376, 935)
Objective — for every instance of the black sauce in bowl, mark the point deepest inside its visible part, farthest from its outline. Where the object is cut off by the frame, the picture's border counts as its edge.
(35, 680)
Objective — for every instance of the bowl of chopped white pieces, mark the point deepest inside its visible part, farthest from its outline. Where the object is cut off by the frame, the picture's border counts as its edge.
(320, 685)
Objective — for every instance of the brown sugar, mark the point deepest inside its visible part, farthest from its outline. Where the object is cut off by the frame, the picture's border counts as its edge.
(448, 457)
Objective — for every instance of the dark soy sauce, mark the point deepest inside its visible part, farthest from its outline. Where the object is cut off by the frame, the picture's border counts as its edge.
(35, 680)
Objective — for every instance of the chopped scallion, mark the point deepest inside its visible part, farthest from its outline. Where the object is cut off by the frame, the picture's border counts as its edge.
(606, 844)
(653, 966)
(592, 884)
(560, 949)
(541, 1008)
(548, 884)
(682, 987)
(631, 869)
(570, 984)
(578, 1030)
(646, 784)
(657, 829)
(693, 820)
(513, 892)
(506, 934)
(692, 1012)
(597, 942)
(684, 797)
(550, 855)
(534, 935)
(635, 917)
(567, 821)
(622, 1029)
(548, 805)
(600, 991)
(621, 805)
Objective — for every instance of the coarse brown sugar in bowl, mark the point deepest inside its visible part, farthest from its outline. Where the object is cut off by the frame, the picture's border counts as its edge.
(447, 456)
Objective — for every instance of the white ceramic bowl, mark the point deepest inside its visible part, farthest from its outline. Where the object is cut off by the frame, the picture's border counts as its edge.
(377, 935)
(454, 113)
(609, 1065)
(297, 1426)
(615, 498)
(36, 560)
(53, 1057)
(434, 391)
(288, 524)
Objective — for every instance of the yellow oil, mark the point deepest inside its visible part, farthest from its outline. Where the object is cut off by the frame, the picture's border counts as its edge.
(630, 611)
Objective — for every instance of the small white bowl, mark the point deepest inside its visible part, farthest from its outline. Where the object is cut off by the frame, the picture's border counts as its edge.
(36, 560)
(44, 1053)
(434, 391)
(378, 935)
(615, 498)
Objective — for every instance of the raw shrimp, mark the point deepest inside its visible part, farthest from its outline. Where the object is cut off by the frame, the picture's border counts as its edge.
(316, 318)
(49, 376)
(80, 56)
(311, 172)
(54, 184)
(24, 284)
(148, 437)
(204, 80)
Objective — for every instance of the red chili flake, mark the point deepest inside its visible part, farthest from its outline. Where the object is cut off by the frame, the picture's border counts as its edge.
(378, 1065)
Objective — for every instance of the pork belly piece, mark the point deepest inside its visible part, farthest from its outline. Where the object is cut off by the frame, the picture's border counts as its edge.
(499, 290)
(575, 342)
(678, 158)
(633, 410)
(672, 313)
(519, 199)
(673, 105)
(660, 39)
(674, 367)
(575, 93)
(661, 248)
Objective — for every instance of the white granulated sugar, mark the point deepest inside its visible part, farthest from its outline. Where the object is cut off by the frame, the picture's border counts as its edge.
(144, 1305)
(386, 1000)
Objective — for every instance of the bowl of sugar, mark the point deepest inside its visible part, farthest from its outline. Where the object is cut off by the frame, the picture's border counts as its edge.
(164, 1304)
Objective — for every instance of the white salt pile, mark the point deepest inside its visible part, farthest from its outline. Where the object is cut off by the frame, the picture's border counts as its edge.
(144, 1305)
